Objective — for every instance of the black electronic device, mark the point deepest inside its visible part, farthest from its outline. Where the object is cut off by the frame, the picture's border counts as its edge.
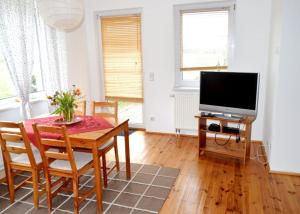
(231, 130)
(214, 127)
(207, 114)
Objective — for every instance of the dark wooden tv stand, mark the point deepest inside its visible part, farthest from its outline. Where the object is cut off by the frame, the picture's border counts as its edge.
(214, 143)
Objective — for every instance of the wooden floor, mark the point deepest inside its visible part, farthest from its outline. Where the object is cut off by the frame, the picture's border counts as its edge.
(214, 185)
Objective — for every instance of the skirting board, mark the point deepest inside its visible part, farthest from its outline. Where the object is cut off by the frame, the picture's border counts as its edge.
(171, 134)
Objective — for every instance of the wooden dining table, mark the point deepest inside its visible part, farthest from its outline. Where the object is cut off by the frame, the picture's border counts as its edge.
(91, 141)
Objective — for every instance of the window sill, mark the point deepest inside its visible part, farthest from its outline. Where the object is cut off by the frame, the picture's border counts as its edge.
(186, 89)
(15, 104)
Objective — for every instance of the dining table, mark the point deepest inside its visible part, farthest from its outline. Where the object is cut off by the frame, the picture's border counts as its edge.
(91, 132)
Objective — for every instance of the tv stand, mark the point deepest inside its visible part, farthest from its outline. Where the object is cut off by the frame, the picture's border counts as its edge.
(208, 139)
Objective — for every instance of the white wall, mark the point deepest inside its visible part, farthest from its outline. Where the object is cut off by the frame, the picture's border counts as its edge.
(251, 53)
(285, 126)
(274, 57)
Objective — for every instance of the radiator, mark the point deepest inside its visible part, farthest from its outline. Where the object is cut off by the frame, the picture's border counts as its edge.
(186, 107)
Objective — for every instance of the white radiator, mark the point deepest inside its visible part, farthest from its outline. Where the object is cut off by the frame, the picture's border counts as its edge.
(186, 107)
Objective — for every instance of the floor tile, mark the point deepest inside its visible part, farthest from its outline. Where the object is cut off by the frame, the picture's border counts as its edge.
(151, 204)
(20, 193)
(18, 179)
(92, 183)
(91, 208)
(158, 192)
(29, 198)
(61, 212)
(83, 179)
(116, 185)
(136, 188)
(69, 205)
(18, 208)
(122, 175)
(141, 212)
(109, 195)
(164, 181)
(133, 166)
(56, 201)
(3, 189)
(40, 210)
(118, 210)
(143, 178)
(150, 169)
(127, 199)
(4, 203)
(165, 171)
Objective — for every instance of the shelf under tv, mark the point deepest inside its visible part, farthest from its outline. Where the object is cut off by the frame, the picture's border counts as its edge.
(240, 150)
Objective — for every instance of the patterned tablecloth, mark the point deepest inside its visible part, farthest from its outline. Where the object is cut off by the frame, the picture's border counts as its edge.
(87, 124)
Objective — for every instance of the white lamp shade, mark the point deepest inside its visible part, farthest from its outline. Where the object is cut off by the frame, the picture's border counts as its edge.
(63, 15)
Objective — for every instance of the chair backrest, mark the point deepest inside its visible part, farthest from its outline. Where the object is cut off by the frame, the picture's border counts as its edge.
(81, 107)
(105, 109)
(14, 140)
(54, 137)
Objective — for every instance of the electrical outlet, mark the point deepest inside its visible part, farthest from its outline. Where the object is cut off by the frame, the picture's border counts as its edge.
(152, 119)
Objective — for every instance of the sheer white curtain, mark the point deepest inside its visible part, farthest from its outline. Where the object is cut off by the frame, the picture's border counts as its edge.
(17, 35)
(21, 32)
(52, 52)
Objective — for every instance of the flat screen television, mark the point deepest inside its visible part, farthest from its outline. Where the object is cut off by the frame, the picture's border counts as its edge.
(229, 92)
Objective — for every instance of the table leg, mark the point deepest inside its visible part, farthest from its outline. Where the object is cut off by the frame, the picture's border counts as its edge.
(127, 151)
(98, 179)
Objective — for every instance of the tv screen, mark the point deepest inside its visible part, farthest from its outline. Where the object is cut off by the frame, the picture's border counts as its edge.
(229, 92)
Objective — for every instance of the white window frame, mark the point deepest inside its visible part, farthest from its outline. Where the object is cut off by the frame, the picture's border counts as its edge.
(230, 4)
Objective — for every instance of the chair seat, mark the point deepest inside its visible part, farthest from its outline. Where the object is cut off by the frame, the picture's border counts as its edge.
(107, 144)
(23, 158)
(81, 159)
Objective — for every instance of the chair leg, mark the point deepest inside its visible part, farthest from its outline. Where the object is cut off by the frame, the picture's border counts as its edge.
(48, 191)
(11, 185)
(116, 154)
(76, 195)
(35, 183)
(104, 169)
(6, 172)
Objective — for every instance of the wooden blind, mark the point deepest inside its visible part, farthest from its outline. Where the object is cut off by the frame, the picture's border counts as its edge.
(122, 57)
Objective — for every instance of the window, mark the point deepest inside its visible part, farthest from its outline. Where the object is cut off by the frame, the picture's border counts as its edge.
(6, 86)
(122, 57)
(7, 89)
(203, 34)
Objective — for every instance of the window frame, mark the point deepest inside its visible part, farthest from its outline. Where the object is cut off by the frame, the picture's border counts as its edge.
(198, 7)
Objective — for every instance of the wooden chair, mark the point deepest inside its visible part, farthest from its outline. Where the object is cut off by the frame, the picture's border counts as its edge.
(65, 163)
(13, 139)
(101, 109)
(81, 107)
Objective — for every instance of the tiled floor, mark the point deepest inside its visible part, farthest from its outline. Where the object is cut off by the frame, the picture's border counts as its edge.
(145, 193)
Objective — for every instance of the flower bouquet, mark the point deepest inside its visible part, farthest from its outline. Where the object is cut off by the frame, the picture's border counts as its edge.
(65, 101)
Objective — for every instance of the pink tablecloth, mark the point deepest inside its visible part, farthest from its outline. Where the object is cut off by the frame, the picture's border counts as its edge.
(88, 124)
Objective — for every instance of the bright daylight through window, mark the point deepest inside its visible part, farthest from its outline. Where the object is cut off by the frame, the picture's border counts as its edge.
(7, 89)
(204, 42)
